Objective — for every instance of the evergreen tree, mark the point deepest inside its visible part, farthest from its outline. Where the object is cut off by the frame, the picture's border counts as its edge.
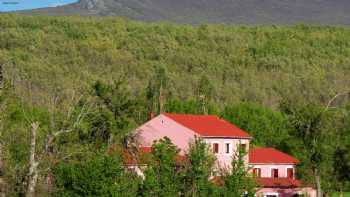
(125, 109)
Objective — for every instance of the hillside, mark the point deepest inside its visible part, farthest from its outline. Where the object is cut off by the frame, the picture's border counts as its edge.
(333, 12)
(75, 88)
(259, 64)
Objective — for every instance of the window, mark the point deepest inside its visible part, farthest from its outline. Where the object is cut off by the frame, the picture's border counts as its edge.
(228, 148)
(215, 147)
(274, 173)
(257, 172)
(271, 194)
(290, 173)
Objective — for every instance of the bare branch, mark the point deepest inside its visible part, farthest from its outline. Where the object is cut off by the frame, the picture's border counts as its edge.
(80, 117)
(33, 164)
(335, 97)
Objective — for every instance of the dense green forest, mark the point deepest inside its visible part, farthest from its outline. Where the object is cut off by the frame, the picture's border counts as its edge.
(73, 87)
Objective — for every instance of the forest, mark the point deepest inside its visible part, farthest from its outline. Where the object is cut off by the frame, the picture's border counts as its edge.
(72, 90)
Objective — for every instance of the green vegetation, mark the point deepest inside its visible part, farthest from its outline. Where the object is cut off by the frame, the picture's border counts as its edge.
(75, 87)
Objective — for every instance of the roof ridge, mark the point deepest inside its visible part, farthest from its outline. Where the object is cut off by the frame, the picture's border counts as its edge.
(183, 114)
(270, 155)
(208, 125)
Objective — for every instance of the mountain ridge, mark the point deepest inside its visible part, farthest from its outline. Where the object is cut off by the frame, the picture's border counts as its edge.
(323, 12)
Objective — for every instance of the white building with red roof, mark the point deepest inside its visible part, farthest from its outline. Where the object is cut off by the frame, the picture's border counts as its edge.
(275, 173)
(273, 169)
(223, 137)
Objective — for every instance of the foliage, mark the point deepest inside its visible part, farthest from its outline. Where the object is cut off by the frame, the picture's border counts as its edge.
(162, 177)
(96, 175)
(238, 182)
(126, 111)
(314, 130)
(198, 169)
(116, 71)
(268, 127)
(174, 105)
(255, 64)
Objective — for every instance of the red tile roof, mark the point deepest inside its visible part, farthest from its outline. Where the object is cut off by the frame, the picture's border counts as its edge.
(208, 125)
(142, 158)
(130, 159)
(278, 182)
(270, 156)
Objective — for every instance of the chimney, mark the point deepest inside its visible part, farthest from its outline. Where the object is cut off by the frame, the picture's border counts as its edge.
(151, 115)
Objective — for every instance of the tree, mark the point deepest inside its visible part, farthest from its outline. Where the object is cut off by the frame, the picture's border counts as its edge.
(312, 126)
(205, 92)
(238, 182)
(161, 176)
(341, 158)
(198, 169)
(95, 175)
(191, 106)
(33, 163)
(268, 127)
(125, 109)
(2, 181)
(157, 90)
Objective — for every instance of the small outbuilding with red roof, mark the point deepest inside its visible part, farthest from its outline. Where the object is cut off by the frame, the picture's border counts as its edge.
(275, 173)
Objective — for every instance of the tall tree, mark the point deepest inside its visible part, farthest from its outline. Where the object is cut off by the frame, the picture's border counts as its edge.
(161, 176)
(126, 109)
(33, 163)
(312, 126)
(96, 174)
(205, 92)
(268, 127)
(198, 169)
(2, 181)
(238, 182)
(341, 158)
(157, 89)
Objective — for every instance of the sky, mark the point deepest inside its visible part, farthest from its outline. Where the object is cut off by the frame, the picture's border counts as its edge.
(13, 5)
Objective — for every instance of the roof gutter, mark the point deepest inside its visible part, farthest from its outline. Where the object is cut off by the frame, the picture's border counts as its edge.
(231, 137)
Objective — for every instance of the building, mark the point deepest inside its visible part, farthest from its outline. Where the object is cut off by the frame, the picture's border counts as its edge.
(274, 170)
(275, 173)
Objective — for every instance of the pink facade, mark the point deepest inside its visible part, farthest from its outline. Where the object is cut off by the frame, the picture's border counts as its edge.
(286, 192)
(181, 136)
(162, 126)
(224, 159)
(266, 169)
